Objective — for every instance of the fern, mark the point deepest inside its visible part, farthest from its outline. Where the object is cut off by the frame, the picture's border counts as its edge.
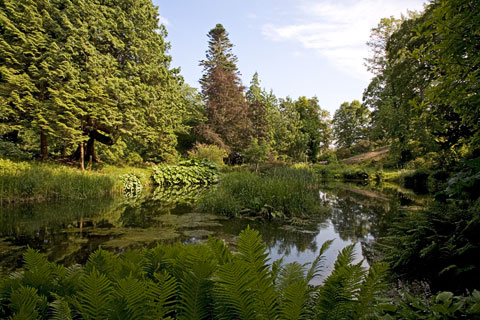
(220, 250)
(39, 272)
(130, 299)
(294, 299)
(104, 262)
(318, 263)
(254, 253)
(60, 310)
(233, 295)
(338, 298)
(195, 286)
(95, 296)
(162, 294)
(25, 303)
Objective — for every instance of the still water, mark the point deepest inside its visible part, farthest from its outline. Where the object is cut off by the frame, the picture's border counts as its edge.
(67, 232)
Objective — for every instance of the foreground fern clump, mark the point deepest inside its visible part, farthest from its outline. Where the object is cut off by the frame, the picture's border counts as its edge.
(282, 192)
(208, 281)
(201, 281)
(187, 172)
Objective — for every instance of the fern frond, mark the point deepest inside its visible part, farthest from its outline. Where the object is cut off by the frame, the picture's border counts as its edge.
(338, 298)
(60, 310)
(130, 299)
(95, 295)
(319, 262)
(39, 272)
(234, 297)
(104, 262)
(195, 296)
(132, 263)
(253, 252)
(162, 294)
(371, 288)
(24, 303)
(220, 250)
(294, 300)
(289, 274)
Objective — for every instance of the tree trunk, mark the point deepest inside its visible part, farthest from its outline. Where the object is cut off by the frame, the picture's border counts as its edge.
(90, 152)
(43, 146)
(82, 156)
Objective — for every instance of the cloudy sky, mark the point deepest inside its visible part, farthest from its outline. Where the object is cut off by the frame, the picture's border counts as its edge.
(298, 47)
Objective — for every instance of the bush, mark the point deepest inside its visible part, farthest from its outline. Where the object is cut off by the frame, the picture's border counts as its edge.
(280, 192)
(209, 152)
(187, 172)
(355, 174)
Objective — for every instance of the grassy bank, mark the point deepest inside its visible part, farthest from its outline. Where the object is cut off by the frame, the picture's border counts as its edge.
(281, 192)
(33, 181)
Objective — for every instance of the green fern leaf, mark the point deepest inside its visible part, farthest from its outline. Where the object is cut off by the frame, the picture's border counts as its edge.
(25, 303)
(162, 294)
(234, 297)
(95, 296)
(338, 298)
(253, 252)
(60, 310)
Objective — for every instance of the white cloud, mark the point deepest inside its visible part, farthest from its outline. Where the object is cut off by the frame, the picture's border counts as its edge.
(164, 21)
(339, 30)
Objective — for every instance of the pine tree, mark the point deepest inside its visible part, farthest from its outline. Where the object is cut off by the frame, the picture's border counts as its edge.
(228, 124)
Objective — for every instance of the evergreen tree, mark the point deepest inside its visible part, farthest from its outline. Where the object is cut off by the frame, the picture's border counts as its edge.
(38, 82)
(257, 110)
(228, 124)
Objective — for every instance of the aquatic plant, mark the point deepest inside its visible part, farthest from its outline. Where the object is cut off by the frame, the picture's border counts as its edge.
(282, 192)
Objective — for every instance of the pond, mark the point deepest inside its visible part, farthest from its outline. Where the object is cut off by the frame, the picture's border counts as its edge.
(67, 232)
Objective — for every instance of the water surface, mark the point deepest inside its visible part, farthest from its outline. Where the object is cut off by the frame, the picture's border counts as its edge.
(67, 232)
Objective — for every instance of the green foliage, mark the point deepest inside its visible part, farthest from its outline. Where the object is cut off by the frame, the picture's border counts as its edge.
(132, 186)
(443, 305)
(282, 192)
(187, 172)
(439, 244)
(201, 281)
(350, 123)
(210, 152)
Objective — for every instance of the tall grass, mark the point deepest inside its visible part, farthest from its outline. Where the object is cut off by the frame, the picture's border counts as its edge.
(34, 181)
(280, 192)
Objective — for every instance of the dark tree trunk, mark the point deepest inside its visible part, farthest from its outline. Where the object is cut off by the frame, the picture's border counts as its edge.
(43, 146)
(90, 154)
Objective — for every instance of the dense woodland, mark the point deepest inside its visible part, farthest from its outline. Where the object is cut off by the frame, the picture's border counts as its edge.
(92, 82)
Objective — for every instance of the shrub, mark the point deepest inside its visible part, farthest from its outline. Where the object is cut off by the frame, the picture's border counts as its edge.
(187, 172)
(209, 152)
(132, 186)
(355, 174)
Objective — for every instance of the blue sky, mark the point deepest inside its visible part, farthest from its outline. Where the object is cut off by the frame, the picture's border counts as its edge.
(299, 47)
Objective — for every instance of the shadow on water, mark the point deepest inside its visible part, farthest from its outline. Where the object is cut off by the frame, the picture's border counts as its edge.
(67, 232)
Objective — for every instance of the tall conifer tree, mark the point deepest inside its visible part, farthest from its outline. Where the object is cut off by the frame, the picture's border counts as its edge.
(228, 124)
